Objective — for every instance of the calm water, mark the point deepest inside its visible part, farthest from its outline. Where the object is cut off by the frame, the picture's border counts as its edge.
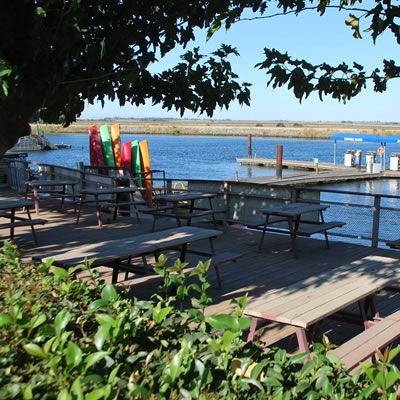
(208, 157)
(185, 157)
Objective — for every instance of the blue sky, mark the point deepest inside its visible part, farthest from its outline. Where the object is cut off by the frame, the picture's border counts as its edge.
(307, 36)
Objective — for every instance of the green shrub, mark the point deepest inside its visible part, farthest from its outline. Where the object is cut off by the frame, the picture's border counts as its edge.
(65, 339)
(280, 125)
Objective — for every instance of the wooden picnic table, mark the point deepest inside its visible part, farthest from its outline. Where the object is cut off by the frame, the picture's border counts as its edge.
(52, 188)
(307, 302)
(8, 210)
(111, 253)
(182, 207)
(292, 214)
(108, 197)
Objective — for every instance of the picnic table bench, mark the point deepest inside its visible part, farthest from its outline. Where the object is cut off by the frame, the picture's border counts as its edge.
(296, 226)
(364, 345)
(50, 189)
(9, 207)
(117, 253)
(181, 206)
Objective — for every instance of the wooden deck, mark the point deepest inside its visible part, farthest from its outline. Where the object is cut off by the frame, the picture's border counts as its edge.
(254, 273)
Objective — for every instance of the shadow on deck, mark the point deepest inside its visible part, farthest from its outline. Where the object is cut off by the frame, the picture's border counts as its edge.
(254, 273)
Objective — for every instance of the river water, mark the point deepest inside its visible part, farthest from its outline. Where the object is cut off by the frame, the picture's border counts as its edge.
(210, 157)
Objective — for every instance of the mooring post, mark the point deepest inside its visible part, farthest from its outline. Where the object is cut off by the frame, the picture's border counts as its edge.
(249, 150)
(279, 154)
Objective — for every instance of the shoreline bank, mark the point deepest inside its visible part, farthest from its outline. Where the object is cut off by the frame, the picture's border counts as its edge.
(273, 130)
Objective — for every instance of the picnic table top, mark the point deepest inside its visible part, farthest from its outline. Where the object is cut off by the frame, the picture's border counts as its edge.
(119, 249)
(176, 197)
(50, 182)
(311, 300)
(9, 204)
(294, 209)
(108, 190)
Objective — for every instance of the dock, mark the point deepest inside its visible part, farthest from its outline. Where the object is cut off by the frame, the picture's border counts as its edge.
(256, 274)
(305, 165)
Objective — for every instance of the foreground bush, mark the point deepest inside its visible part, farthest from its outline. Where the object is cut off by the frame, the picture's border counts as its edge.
(64, 339)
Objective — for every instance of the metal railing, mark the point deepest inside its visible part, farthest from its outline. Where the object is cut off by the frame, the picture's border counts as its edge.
(371, 219)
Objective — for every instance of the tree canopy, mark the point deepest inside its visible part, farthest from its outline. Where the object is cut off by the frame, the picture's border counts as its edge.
(57, 54)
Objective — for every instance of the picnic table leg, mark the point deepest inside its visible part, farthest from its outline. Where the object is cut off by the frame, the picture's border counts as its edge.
(293, 230)
(132, 197)
(325, 232)
(212, 215)
(263, 234)
(183, 252)
(115, 272)
(82, 199)
(12, 221)
(36, 199)
(252, 330)
(117, 197)
(63, 197)
(189, 221)
(98, 215)
(302, 340)
(32, 227)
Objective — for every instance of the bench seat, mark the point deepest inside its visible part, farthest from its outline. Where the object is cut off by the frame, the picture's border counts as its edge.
(395, 244)
(271, 220)
(28, 222)
(364, 345)
(318, 228)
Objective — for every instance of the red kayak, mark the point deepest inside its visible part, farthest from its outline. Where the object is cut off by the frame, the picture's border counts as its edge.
(96, 153)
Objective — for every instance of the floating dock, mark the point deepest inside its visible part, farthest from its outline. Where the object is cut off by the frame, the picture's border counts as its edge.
(305, 165)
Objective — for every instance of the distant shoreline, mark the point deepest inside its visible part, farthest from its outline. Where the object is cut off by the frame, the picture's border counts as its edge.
(282, 130)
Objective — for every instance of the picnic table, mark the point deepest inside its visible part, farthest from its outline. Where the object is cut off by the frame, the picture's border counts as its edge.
(181, 206)
(108, 197)
(292, 214)
(113, 253)
(51, 188)
(306, 303)
(8, 210)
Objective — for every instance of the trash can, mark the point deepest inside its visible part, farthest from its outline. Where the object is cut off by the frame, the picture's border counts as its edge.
(370, 157)
(349, 158)
(394, 162)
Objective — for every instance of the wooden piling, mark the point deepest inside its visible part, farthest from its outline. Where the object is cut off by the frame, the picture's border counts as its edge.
(249, 149)
(279, 156)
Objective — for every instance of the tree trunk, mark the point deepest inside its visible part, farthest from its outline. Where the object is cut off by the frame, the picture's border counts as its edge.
(15, 116)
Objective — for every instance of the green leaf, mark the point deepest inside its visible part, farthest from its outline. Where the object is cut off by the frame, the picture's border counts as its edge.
(299, 358)
(62, 320)
(28, 395)
(102, 334)
(109, 293)
(255, 383)
(5, 319)
(73, 354)
(37, 320)
(393, 353)
(60, 273)
(94, 358)
(175, 365)
(105, 319)
(35, 350)
(64, 395)
(95, 394)
(114, 373)
(391, 379)
(77, 390)
(160, 313)
(41, 12)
